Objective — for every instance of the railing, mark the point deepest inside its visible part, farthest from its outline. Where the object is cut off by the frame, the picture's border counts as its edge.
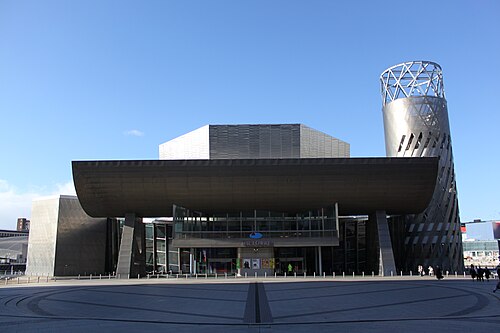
(9, 280)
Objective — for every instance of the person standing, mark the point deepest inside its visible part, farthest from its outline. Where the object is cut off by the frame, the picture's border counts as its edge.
(439, 274)
(420, 269)
(431, 271)
(480, 273)
(472, 272)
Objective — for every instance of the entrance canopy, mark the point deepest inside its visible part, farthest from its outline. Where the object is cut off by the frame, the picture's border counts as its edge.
(150, 188)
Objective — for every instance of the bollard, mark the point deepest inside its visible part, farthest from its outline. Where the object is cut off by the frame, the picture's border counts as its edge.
(206, 275)
(275, 276)
(38, 278)
(343, 274)
(285, 274)
(128, 276)
(352, 274)
(158, 276)
(216, 275)
(392, 274)
(109, 276)
(177, 275)
(47, 278)
(265, 275)
(246, 275)
(196, 276)
(100, 276)
(225, 275)
(401, 273)
(324, 275)
(78, 276)
(373, 273)
(333, 275)
(411, 273)
(464, 274)
(447, 273)
(18, 280)
(255, 274)
(28, 279)
(295, 274)
(90, 276)
(305, 275)
(314, 275)
(6, 280)
(186, 276)
(456, 274)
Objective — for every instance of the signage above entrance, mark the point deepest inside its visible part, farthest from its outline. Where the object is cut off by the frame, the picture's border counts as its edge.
(258, 243)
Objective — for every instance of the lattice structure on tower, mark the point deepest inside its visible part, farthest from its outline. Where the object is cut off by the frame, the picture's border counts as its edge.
(416, 125)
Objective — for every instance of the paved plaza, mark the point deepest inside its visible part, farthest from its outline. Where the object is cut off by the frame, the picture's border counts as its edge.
(394, 304)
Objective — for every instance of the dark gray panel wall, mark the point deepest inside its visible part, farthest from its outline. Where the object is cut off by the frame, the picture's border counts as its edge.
(81, 240)
(64, 240)
(254, 141)
(273, 141)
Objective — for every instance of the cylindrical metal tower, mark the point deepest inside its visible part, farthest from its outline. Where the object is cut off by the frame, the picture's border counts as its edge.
(416, 125)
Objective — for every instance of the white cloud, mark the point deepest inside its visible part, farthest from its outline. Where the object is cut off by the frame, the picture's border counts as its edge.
(65, 189)
(15, 203)
(134, 132)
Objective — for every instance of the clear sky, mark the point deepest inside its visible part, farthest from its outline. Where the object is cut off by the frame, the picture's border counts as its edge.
(113, 79)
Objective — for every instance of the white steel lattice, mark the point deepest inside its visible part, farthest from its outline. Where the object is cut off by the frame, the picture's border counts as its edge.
(412, 78)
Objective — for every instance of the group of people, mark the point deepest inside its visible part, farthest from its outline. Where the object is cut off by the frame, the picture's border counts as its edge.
(478, 273)
(431, 271)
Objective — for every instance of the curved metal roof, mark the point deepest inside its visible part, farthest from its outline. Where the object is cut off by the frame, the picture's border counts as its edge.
(150, 188)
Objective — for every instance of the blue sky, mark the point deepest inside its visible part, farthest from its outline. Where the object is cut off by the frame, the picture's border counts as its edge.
(113, 79)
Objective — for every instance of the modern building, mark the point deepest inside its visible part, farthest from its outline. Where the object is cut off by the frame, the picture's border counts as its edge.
(416, 125)
(266, 199)
(64, 240)
(258, 209)
(23, 224)
(481, 243)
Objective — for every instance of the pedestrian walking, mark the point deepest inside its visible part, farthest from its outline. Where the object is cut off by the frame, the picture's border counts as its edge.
(498, 276)
(420, 269)
(487, 273)
(472, 272)
(497, 286)
(431, 271)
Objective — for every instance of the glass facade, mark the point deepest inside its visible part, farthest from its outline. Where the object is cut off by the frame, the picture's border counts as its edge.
(160, 256)
(317, 223)
(350, 256)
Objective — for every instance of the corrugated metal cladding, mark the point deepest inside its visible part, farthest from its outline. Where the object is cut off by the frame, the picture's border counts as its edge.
(314, 144)
(273, 141)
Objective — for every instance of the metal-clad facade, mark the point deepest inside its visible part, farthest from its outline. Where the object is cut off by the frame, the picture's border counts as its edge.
(254, 142)
(416, 125)
(64, 240)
